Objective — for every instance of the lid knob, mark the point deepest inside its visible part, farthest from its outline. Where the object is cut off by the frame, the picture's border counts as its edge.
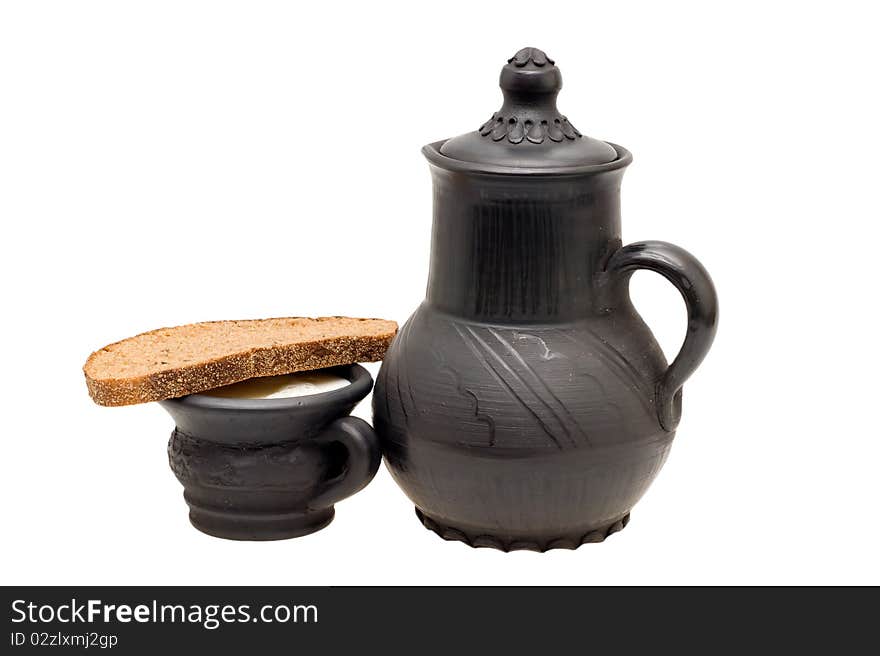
(530, 82)
(530, 72)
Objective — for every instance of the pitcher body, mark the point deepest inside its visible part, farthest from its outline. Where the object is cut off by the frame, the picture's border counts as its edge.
(525, 404)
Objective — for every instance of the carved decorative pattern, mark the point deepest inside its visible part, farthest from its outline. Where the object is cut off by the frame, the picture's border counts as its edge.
(532, 380)
(617, 362)
(494, 542)
(270, 467)
(517, 130)
(483, 417)
(524, 385)
(510, 383)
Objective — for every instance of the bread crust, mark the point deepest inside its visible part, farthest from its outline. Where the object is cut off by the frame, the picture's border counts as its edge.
(149, 367)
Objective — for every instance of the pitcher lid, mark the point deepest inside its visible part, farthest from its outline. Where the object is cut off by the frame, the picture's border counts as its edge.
(528, 134)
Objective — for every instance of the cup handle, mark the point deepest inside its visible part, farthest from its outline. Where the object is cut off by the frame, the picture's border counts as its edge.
(693, 282)
(362, 445)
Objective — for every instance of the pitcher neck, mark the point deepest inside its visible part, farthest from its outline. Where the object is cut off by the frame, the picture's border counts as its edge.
(521, 250)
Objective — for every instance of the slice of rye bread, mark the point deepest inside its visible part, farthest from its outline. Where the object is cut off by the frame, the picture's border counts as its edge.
(172, 362)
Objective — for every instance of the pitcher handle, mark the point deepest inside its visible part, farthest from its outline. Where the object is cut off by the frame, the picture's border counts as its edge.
(695, 286)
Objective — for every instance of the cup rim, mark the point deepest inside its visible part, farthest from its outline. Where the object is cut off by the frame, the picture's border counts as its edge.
(360, 384)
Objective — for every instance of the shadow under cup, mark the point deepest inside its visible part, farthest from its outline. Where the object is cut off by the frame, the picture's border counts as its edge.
(270, 469)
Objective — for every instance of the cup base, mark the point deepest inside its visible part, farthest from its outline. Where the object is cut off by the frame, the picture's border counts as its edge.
(258, 526)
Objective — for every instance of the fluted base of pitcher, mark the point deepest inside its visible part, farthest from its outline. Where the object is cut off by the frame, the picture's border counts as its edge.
(513, 543)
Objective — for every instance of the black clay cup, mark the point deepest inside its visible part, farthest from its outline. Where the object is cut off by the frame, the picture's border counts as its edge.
(271, 469)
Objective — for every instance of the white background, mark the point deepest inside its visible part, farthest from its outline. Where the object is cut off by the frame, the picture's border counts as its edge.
(169, 162)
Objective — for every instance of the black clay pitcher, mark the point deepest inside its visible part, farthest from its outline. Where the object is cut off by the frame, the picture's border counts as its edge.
(525, 404)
